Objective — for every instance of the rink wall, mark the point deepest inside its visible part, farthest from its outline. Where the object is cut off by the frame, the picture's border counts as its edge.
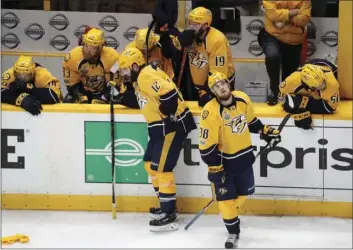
(61, 161)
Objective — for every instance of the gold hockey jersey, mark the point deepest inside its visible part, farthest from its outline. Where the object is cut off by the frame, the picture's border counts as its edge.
(93, 76)
(213, 54)
(160, 102)
(225, 131)
(42, 79)
(328, 98)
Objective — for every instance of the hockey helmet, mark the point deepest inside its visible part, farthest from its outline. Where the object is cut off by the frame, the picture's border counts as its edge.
(94, 37)
(312, 76)
(129, 57)
(140, 39)
(24, 66)
(216, 77)
(201, 15)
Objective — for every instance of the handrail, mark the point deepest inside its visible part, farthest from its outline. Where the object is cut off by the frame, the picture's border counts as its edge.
(43, 54)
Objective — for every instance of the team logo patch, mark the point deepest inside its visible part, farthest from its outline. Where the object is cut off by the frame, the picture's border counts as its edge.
(6, 76)
(226, 116)
(222, 191)
(67, 57)
(198, 60)
(238, 124)
(205, 113)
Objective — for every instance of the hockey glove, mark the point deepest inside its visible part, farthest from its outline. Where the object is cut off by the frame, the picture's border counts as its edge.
(302, 119)
(187, 37)
(204, 98)
(216, 174)
(270, 135)
(29, 103)
(299, 102)
(21, 87)
(83, 99)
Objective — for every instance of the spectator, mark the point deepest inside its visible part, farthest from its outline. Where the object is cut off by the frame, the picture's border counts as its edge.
(282, 39)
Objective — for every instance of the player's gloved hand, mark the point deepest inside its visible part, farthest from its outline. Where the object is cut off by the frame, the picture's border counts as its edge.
(302, 119)
(187, 37)
(83, 99)
(204, 97)
(297, 102)
(216, 174)
(29, 103)
(98, 101)
(270, 135)
(21, 87)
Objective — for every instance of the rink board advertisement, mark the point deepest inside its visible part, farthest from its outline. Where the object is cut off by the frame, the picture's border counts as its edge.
(63, 153)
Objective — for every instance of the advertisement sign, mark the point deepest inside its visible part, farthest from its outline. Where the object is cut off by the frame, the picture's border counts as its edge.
(130, 145)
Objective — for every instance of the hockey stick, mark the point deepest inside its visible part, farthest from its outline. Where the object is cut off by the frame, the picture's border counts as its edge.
(182, 66)
(203, 210)
(147, 35)
(113, 70)
(112, 139)
(280, 127)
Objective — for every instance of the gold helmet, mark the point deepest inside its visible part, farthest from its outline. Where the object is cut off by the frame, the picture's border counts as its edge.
(140, 39)
(24, 65)
(201, 15)
(215, 77)
(129, 57)
(312, 76)
(94, 37)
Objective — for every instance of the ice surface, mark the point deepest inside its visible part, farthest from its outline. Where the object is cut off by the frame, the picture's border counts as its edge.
(58, 229)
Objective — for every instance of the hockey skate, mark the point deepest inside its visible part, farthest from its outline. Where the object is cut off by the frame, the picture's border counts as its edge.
(232, 241)
(164, 222)
(155, 212)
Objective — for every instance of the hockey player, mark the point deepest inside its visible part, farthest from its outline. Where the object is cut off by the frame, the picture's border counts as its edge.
(312, 89)
(225, 146)
(28, 85)
(169, 121)
(87, 69)
(208, 50)
(156, 58)
(154, 50)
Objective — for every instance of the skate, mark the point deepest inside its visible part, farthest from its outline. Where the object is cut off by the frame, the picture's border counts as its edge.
(155, 212)
(232, 241)
(164, 222)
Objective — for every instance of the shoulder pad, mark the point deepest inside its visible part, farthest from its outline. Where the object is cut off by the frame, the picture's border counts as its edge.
(109, 56)
(74, 57)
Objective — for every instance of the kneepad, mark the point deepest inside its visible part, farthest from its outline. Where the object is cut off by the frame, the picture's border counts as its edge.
(166, 181)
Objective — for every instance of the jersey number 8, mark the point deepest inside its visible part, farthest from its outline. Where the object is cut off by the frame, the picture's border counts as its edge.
(203, 133)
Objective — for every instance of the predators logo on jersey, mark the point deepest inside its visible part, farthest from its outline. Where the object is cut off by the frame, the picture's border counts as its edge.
(238, 124)
(197, 59)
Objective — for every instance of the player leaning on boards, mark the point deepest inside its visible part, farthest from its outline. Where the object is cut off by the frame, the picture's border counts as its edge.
(225, 146)
(28, 85)
(312, 89)
(169, 122)
(208, 50)
(87, 69)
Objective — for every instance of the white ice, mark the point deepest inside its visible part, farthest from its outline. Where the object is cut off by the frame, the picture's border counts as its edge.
(48, 229)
